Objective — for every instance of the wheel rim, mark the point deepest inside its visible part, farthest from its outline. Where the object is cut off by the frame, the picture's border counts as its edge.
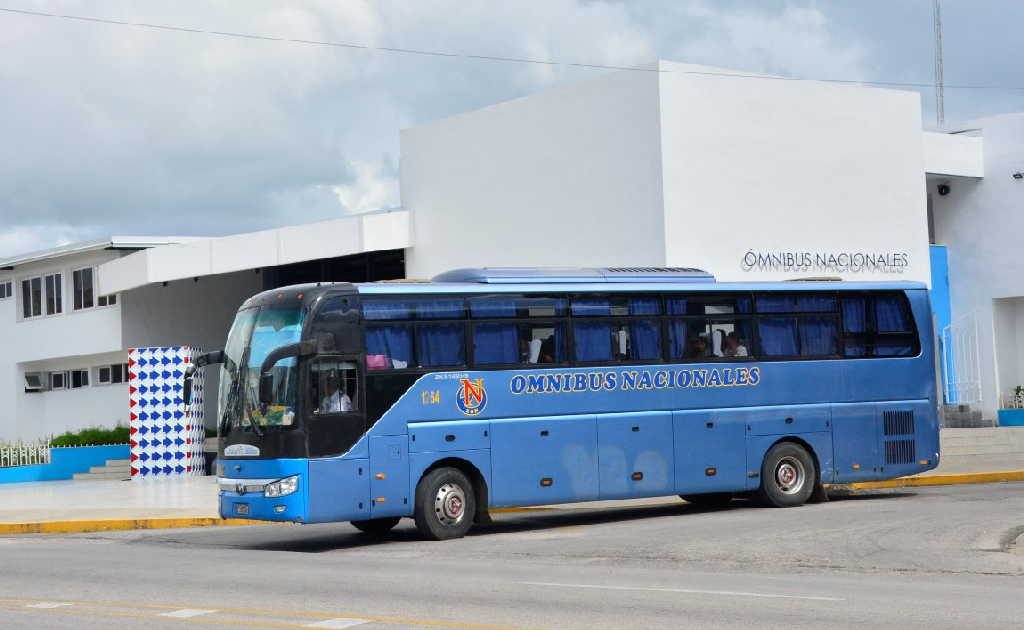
(790, 475)
(450, 504)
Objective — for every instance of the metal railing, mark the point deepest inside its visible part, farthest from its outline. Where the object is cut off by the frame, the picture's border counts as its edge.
(22, 454)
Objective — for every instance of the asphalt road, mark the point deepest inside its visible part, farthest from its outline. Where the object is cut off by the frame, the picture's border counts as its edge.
(926, 558)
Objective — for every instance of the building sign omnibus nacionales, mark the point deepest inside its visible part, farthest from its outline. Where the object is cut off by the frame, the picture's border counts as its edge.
(843, 261)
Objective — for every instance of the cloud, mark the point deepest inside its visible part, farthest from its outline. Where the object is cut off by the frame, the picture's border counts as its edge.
(113, 129)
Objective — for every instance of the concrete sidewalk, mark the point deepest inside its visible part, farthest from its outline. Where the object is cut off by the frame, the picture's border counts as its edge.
(192, 497)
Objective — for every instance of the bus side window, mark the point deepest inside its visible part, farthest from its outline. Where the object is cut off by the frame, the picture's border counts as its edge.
(388, 347)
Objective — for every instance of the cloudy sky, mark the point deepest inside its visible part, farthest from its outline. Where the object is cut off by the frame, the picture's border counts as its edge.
(109, 129)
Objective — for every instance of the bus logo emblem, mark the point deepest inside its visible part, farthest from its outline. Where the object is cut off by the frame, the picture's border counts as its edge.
(471, 397)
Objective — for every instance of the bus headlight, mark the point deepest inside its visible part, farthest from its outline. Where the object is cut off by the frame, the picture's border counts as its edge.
(282, 487)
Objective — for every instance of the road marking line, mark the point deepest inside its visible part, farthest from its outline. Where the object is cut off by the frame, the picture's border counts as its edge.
(47, 605)
(690, 591)
(340, 622)
(186, 613)
(249, 611)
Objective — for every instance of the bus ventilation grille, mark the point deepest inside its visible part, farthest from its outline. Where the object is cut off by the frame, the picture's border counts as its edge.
(899, 451)
(899, 423)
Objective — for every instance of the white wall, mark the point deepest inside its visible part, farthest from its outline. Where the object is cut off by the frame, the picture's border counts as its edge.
(64, 341)
(54, 412)
(981, 222)
(791, 166)
(570, 176)
(185, 313)
(954, 154)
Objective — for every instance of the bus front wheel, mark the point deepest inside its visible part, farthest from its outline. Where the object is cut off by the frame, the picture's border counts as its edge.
(788, 476)
(445, 504)
(376, 526)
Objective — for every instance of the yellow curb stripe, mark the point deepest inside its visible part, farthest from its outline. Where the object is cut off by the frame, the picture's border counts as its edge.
(108, 525)
(942, 480)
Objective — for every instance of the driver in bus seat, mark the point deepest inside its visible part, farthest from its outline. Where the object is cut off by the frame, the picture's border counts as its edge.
(336, 401)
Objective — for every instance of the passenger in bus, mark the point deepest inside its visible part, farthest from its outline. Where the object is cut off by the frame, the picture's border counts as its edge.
(697, 348)
(733, 346)
(547, 350)
(336, 401)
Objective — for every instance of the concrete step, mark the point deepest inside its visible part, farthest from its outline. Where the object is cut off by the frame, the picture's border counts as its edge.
(110, 469)
(97, 476)
(119, 462)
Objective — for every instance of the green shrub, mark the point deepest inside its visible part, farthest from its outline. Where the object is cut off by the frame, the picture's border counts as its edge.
(92, 436)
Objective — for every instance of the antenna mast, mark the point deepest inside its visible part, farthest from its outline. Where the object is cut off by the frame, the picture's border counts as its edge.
(940, 107)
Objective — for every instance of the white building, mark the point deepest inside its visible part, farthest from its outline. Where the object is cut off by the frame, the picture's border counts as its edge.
(749, 178)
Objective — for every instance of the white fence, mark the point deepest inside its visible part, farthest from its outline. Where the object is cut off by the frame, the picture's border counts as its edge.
(961, 363)
(24, 454)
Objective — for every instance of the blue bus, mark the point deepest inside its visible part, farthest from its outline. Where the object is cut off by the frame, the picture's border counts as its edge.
(506, 387)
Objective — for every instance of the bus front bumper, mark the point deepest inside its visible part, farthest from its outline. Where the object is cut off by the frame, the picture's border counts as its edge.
(250, 489)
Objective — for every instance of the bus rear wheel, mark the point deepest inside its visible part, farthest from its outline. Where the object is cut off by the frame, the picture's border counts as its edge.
(376, 526)
(788, 476)
(445, 504)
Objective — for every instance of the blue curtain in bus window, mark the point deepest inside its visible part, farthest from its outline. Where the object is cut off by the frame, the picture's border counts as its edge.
(440, 344)
(854, 315)
(775, 304)
(492, 307)
(890, 314)
(386, 310)
(743, 305)
(645, 340)
(855, 349)
(778, 336)
(440, 309)
(558, 343)
(645, 335)
(675, 306)
(388, 347)
(815, 304)
(495, 343)
(591, 307)
(894, 348)
(676, 339)
(818, 336)
(593, 341)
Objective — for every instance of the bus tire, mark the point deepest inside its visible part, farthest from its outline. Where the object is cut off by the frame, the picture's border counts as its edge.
(376, 526)
(445, 504)
(708, 499)
(788, 476)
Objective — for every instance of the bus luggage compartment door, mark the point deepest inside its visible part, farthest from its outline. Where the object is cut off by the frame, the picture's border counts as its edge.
(550, 459)
(635, 454)
(389, 476)
(710, 451)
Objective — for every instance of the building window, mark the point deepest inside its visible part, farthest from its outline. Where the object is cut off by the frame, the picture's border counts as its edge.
(58, 380)
(6, 289)
(31, 297)
(42, 295)
(82, 280)
(54, 284)
(79, 378)
(106, 300)
(112, 374)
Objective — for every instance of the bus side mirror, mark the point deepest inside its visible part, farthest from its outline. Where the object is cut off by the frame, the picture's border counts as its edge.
(186, 393)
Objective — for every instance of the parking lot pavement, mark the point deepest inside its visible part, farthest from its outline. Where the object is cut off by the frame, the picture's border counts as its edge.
(924, 557)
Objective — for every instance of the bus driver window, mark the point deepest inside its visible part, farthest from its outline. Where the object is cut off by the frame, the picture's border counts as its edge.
(334, 385)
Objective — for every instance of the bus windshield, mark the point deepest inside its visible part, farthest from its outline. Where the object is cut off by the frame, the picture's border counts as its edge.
(255, 333)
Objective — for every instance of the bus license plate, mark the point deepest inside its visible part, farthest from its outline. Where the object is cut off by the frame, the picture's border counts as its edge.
(242, 508)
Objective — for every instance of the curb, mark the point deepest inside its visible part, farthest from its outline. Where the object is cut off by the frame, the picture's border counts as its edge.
(109, 525)
(938, 480)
